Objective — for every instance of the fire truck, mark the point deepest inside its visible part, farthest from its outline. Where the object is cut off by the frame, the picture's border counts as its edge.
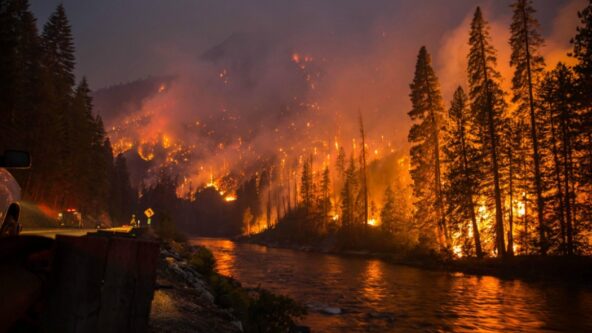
(70, 218)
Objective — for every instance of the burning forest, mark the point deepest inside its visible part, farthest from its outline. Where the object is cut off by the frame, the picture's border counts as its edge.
(256, 116)
(407, 145)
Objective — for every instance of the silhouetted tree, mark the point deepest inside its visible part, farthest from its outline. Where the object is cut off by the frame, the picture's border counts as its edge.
(424, 135)
(463, 175)
(488, 107)
(529, 66)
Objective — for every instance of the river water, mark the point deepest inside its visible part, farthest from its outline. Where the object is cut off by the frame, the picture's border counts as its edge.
(375, 296)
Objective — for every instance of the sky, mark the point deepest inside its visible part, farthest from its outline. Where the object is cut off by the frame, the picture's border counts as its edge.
(119, 41)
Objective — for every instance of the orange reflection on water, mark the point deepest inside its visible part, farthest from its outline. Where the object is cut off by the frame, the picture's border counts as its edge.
(225, 257)
(372, 285)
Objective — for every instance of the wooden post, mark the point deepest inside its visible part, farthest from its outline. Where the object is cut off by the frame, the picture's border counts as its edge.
(101, 284)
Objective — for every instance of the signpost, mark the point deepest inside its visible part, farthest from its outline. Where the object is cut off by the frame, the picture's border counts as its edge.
(149, 213)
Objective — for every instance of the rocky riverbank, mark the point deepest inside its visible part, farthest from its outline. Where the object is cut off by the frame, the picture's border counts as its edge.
(192, 297)
(184, 301)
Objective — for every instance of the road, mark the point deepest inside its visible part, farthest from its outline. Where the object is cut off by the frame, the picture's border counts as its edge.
(52, 232)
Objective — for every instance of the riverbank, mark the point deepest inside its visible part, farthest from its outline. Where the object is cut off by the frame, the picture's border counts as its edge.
(192, 296)
(183, 300)
(575, 269)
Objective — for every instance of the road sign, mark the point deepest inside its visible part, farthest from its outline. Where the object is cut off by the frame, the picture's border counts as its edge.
(149, 212)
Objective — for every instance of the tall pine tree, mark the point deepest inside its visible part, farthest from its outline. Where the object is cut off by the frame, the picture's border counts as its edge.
(426, 112)
(582, 51)
(463, 173)
(558, 92)
(529, 66)
(488, 107)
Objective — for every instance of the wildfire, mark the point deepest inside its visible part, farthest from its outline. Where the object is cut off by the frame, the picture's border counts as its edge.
(166, 142)
(521, 209)
(145, 152)
(230, 198)
(372, 222)
(457, 250)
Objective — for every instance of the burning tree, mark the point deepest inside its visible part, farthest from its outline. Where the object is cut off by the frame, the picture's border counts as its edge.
(529, 66)
(463, 173)
(426, 171)
(488, 107)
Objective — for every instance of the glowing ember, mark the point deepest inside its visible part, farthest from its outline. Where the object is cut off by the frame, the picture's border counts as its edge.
(372, 222)
(230, 198)
(521, 209)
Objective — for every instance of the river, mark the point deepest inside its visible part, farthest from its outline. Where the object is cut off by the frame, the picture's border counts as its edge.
(375, 296)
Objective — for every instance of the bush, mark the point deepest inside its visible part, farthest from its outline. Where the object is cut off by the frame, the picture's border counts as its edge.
(259, 310)
(273, 313)
(203, 261)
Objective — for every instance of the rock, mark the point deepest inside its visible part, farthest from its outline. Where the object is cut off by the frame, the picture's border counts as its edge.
(169, 261)
(238, 324)
(170, 254)
(331, 311)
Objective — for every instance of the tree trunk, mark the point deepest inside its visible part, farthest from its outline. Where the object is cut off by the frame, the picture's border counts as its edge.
(511, 212)
(475, 226)
(535, 145)
(560, 195)
(499, 219)
(437, 171)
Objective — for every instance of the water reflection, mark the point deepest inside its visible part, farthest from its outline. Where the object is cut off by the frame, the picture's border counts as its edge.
(379, 297)
(225, 256)
(373, 282)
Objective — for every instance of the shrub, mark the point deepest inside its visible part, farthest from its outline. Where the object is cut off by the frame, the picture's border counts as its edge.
(203, 261)
(273, 313)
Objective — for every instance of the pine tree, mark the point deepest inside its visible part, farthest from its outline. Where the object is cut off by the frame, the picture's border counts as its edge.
(58, 65)
(487, 106)
(529, 66)
(58, 48)
(426, 112)
(307, 186)
(387, 213)
(364, 173)
(21, 107)
(348, 192)
(81, 159)
(463, 173)
(558, 95)
(341, 163)
(19, 74)
(513, 174)
(582, 51)
(325, 198)
(121, 193)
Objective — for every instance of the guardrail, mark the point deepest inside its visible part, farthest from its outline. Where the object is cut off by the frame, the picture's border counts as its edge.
(101, 282)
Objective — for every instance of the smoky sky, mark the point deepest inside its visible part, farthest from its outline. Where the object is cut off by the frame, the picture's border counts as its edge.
(119, 41)
(299, 72)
